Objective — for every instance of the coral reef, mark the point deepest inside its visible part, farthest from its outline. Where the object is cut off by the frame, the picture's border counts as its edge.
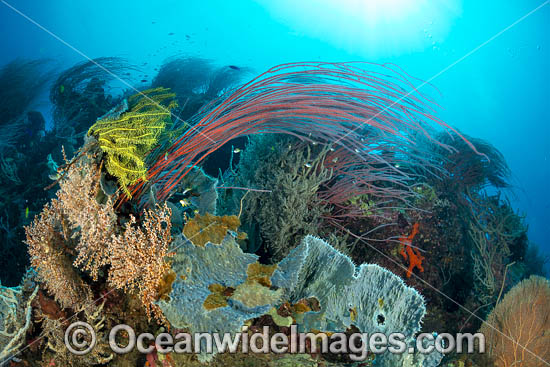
(346, 96)
(495, 231)
(468, 169)
(23, 140)
(196, 192)
(369, 296)
(93, 222)
(140, 233)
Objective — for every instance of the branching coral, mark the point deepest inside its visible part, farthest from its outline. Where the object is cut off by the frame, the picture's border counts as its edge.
(53, 332)
(138, 257)
(15, 315)
(522, 323)
(45, 240)
(93, 222)
(493, 230)
(293, 173)
(77, 224)
(126, 139)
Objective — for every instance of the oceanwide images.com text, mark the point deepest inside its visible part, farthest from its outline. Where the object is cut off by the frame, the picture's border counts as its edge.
(80, 339)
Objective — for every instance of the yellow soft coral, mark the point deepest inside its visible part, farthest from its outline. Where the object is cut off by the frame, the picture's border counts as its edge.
(126, 139)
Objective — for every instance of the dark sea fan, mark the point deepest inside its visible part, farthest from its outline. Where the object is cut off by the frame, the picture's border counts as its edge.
(21, 82)
(361, 110)
(469, 169)
(195, 81)
(21, 130)
(80, 94)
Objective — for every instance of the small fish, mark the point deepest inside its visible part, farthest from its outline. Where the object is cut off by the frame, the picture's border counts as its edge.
(335, 159)
(308, 165)
(234, 67)
(171, 33)
(186, 190)
(353, 313)
(314, 143)
(184, 203)
(165, 156)
(236, 150)
(61, 88)
(26, 212)
(356, 150)
(397, 165)
(144, 80)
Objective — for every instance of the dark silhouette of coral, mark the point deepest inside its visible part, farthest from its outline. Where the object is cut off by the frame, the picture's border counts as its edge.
(196, 82)
(80, 94)
(21, 82)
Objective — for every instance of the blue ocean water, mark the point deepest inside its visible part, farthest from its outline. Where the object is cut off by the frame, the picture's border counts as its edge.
(489, 60)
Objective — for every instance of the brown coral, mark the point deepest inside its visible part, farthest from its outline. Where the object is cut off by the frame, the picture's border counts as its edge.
(138, 257)
(45, 244)
(94, 222)
(522, 323)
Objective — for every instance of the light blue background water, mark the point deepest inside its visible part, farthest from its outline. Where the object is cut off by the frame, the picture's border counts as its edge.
(500, 92)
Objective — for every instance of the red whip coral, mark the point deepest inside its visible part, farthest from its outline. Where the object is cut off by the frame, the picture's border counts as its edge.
(410, 253)
(366, 115)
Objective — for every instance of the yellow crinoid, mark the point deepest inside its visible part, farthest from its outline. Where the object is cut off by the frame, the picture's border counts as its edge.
(126, 138)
